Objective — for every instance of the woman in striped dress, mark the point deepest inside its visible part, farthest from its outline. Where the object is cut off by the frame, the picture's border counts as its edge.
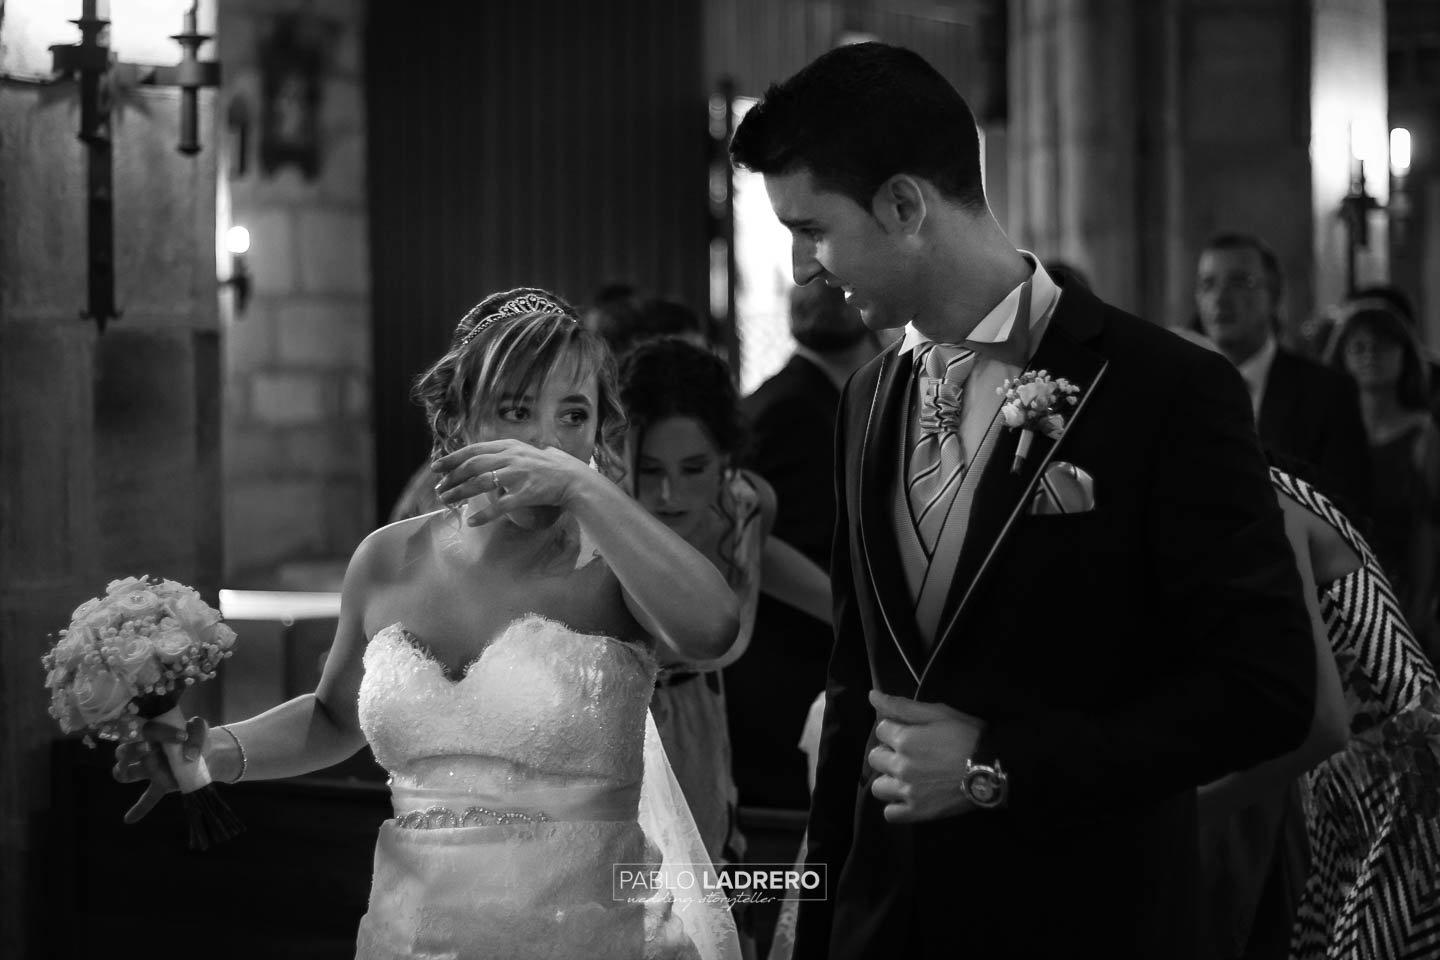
(1373, 808)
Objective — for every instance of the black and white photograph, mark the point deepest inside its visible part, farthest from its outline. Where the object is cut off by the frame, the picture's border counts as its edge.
(720, 479)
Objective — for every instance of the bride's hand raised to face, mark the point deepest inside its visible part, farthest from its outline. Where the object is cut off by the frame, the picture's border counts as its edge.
(518, 474)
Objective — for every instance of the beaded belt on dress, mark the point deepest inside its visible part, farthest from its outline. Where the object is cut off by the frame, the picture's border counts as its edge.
(439, 816)
(447, 792)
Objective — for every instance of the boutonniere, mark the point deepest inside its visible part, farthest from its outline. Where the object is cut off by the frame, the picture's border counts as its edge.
(1036, 401)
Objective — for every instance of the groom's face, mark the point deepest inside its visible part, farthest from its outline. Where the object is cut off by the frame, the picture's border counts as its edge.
(835, 240)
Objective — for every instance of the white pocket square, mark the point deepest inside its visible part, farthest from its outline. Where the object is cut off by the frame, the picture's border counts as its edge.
(1064, 488)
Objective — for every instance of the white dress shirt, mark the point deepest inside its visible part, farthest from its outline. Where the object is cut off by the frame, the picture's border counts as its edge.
(980, 400)
(1256, 372)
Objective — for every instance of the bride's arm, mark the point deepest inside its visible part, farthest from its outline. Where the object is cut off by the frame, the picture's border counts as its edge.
(314, 730)
(676, 594)
(671, 589)
(302, 735)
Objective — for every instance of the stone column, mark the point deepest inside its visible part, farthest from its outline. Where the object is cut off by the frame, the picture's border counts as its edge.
(1140, 129)
(1074, 95)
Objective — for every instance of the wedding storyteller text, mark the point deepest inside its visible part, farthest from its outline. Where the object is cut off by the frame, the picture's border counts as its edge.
(747, 883)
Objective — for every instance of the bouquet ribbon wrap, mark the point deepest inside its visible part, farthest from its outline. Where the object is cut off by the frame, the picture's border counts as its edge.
(208, 818)
(191, 775)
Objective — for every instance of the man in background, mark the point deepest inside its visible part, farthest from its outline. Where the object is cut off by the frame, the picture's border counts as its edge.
(1303, 410)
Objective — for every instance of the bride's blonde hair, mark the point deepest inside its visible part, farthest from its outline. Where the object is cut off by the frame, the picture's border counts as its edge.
(506, 345)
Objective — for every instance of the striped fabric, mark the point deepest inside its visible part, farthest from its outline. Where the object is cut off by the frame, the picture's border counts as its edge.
(937, 461)
(1373, 809)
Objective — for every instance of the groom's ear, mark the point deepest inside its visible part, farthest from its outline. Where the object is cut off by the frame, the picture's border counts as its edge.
(899, 205)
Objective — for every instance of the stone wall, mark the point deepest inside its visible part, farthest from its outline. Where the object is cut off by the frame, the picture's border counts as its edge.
(299, 458)
(109, 443)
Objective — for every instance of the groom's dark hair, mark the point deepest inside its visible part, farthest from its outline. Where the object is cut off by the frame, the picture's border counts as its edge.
(859, 115)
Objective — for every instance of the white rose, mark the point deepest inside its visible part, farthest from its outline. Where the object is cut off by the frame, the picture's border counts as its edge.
(126, 585)
(105, 615)
(134, 652)
(99, 694)
(193, 613)
(73, 646)
(148, 675)
(223, 636)
(85, 609)
(171, 645)
(1014, 417)
(138, 603)
(62, 708)
(1028, 392)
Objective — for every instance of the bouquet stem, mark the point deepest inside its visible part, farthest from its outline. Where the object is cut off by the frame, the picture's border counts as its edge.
(208, 817)
(1022, 449)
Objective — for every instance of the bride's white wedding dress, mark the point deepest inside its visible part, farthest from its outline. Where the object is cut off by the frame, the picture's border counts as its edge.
(518, 787)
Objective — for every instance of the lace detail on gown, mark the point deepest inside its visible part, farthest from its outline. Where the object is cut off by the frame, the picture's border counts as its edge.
(540, 696)
(545, 721)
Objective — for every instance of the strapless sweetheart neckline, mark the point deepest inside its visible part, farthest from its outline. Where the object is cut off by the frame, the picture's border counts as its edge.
(457, 675)
(453, 674)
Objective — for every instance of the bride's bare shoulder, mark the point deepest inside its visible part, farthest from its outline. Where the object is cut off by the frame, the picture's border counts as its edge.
(394, 548)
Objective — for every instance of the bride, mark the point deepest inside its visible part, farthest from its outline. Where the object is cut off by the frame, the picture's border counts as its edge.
(498, 657)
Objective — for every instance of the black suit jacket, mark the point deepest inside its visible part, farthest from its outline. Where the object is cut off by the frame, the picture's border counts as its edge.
(1118, 657)
(792, 417)
(1312, 413)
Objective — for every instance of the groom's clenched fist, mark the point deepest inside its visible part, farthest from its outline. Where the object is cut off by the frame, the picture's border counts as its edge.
(921, 758)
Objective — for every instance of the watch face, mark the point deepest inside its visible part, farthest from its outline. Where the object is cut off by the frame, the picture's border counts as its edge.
(985, 788)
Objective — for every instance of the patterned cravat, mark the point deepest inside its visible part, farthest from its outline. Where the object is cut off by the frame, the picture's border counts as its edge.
(937, 461)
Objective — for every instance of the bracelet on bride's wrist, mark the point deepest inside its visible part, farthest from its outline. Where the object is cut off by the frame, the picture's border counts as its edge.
(244, 760)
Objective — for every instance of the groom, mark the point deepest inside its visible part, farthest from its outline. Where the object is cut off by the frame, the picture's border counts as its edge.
(1047, 633)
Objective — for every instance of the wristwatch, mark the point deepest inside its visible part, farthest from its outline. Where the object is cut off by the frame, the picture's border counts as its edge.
(985, 784)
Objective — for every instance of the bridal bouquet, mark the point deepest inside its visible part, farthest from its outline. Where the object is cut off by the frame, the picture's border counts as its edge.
(126, 658)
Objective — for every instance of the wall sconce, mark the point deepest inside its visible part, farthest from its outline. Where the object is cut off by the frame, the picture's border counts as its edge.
(100, 76)
(1356, 205)
(1399, 194)
(237, 243)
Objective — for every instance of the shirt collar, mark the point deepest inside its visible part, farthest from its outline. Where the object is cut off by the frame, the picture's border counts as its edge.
(995, 326)
(1256, 369)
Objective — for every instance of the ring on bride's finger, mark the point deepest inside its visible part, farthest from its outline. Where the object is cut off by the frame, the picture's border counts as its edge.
(495, 479)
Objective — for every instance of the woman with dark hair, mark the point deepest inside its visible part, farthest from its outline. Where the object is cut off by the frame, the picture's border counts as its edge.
(624, 319)
(499, 657)
(1339, 862)
(1372, 809)
(1375, 346)
(686, 433)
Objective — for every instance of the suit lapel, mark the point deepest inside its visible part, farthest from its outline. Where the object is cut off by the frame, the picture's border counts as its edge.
(885, 420)
(1278, 402)
(1000, 494)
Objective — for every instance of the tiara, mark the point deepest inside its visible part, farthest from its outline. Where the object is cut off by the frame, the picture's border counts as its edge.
(517, 307)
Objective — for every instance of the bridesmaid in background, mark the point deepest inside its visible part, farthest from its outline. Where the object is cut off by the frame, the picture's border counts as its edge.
(685, 435)
(1375, 346)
